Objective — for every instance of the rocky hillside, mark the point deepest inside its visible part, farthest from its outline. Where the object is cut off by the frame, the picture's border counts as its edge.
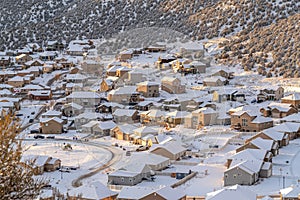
(23, 21)
(272, 50)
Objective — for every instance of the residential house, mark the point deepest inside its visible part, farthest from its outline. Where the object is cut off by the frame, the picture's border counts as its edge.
(175, 118)
(142, 135)
(291, 118)
(108, 83)
(232, 192)
(148, 89)
(290, 193)
(125, 55)
(76, 78)
(172, 150)
(79, 47)
(122, 72)
(199, 66)
(112, 71)
(201, 117)
(47, 55)
(93, 191)
(123, 132)
(23, 58)
(89, 128)
(249, 120)
(40, 95)
(92, 67)
(34, 62)
(5, 61)
(51, 114)
(83, 98)
(290, 128)
(125, 116)
(16, 102)
(144, 105)
(28, 88)
(54, 45)
(223, 73)
(72, 109)
(156, 48)
(104, 128)
(293, 99)
(109, 107)
(154, 161)
(135, 77)
(270, 94)
(51, 125)
(260, 143)
(214, 81)
(270, 134)
(228, 94)
(152, 117)
(172, 85)
(124, 95)
(16, 81)
(278, 110)
(130, 175)
(86, 117)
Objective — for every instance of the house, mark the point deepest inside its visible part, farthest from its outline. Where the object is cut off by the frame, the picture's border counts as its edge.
(47, 55)
(156, 48)
(28, 88)
(135, 77)
(104, 128)
(144, 105)
(83, 98)
(125, 116)
(34, 62)
(108, 83)
(16, 81)
(232, 192)
(171, 150)
(175, 118)
(199, 66)
(249, 120)
(270, 134)
(75, 78)
(172, 85)
(92, 67)
(52, 164)
(88, 116)
(201, 117)
(293, 99)
(79, 47)
(23, 58)
(5, 61)
(278, 110)
(122, 72)
(51, 125)
(228, 94)
(124, 95)
(123, 132)
(130, 175)
(95, 190)
(214, 81)
(145, 131)
(223, 73)
(260, 143)
(154, 161)
(108, 107)
(152, 117)
(290, 193)
(270, 94)
(125, 55)
(112, 71)
(89, 127)
(51, 114)
(291, 118)
(72, 109)
(290, 128)
(148, 89)
(40, 95)
(54, 45)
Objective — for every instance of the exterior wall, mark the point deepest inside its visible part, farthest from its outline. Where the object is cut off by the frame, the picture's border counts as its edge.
(16, 83)
(52, 127)
(238, 176)
(265, 173)
(256, 127)
(174, 87)
(70, 111)
(295, 103)
(246, 146)
(213, 84)
(167, 154)
(120, 180)
(52, 167)
(149, 91)
(238, 121)
(208, 119)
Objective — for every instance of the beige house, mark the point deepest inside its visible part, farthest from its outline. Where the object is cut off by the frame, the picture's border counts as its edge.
(279, 110)
(214, 81)
(108, 83)
(270, 134)
(148, 89)
(51, 125)
(270, 94)
(171, 150)
(72, 109)
(125, 95)
(135, 77)
(83, 98)
(250, 121)
(201, 117)
(23, 58)
(293, 99)
(92, 67)
(223, 73)
(260, 143)
(125, 116)
(172, 85)
(152, 117)
(16, 81)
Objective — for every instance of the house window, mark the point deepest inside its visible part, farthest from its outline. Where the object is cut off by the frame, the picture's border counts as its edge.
(122, 179)
(234, 175)
(244, 122)
(226, 175)
(46, 124)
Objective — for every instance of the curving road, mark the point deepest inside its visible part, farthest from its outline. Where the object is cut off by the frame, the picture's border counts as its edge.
(116, 155)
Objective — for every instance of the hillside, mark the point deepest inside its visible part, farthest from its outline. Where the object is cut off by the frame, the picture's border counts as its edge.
(38, 21)
(272, 51)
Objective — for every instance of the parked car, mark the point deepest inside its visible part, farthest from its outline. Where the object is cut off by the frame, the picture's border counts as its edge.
(39, 137)
(142, 148)
(50, 137)
(34, 131)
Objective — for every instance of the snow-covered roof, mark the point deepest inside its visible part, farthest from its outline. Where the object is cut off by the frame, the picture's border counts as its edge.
(94, 190)
(214, 79)
(293, 97)
(147, 83)
(84, 95)
(249, 154)
(107, 125)
(73, 105)
(90, 124)
(172, 147)
(123, 90)
(205, 110)
(16, 78)
(171, 193)
(58, 120)
(40, 92)
(232, 192)
(135, 192)
(283, 107)
(292, 118)
(262, 143)
(261, 119)
(288, 127)
(145, 130)
(275, 135)
(52, 113)
(124, 112)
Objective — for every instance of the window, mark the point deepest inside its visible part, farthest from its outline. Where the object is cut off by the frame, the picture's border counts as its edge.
(122, 179)
(46, 124)
(234, 175)
(244, 122)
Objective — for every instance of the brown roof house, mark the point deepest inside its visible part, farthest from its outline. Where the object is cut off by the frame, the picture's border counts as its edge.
(172, 85)
(148, 89)
(293, 99)
(172, 150)
(51, 125)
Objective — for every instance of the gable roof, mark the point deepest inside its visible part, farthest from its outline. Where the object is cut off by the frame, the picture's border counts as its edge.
(232, 192)
(262, 143)
(173, 147)
(124, 112)
(293, 97)
(135, 192)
